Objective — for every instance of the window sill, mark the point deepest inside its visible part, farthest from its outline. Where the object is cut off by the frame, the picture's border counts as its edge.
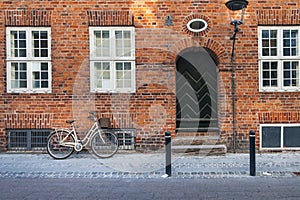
(25, 91)
(114, 91)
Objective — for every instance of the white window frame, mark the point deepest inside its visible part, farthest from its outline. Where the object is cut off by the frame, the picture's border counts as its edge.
(279, 58)
(112, 59)
(30, 60)
(282, 126)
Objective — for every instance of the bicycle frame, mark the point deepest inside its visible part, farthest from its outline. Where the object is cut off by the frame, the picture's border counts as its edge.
(85, 141)
(61, 143)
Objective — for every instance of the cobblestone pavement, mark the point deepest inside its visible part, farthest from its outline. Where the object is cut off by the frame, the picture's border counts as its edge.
(149, 165)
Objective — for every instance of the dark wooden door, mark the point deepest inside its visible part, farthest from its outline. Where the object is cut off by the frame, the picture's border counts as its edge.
(196, 91)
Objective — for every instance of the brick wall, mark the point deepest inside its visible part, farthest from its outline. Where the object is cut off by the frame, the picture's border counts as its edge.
(152, 109)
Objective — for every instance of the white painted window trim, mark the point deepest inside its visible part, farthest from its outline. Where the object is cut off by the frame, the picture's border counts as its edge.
(279, 58)
(29, 60)
(281, 136)
(197, 30)
(112, 59)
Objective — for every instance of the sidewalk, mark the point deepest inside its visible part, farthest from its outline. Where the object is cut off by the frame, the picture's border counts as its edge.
(150, 165)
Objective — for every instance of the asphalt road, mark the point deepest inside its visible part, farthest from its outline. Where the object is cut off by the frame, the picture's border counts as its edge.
(157, 188)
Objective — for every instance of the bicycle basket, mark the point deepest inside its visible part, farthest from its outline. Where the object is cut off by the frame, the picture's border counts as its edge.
(104, 123)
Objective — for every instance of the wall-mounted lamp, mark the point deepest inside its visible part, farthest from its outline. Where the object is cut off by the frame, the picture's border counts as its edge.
(235, 5)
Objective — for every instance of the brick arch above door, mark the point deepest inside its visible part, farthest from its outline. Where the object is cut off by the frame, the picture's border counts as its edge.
(216, 50)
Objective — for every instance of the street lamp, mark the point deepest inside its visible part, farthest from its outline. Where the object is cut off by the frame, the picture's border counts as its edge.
(235, 5)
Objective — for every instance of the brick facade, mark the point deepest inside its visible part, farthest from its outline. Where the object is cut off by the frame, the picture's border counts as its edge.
(151, 110)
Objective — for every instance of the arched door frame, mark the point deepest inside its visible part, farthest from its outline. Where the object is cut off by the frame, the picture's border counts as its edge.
(196, 90)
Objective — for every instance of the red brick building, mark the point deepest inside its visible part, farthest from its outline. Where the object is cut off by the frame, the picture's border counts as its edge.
(150, 67)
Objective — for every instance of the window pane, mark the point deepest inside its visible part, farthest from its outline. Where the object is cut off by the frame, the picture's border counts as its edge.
(44, 34)
(23, 75)
(40, 43)
(269, 43)
(127, 66)
(265, 43)
(123, 43)
(105, 34)
(118, 35)
(102, 75)
(273, 43)
(266, 51)
(44, 53)
(291, 136)
(119, 66)
(270, 74)
(286, 34)
(102, 43)
(44, 44)
(127, 83)
(271, 137)
(127, 34)
(106, 66)
(286, 43)
(119, 83)
(119, 74)
(265, 34)
(18, 75)
(127, 75)
(123, 75)
(45, 84)
(273, 52)
(291, 73)
(273, 34)
(44, 75)
(290, 40)
(18, 43)
(44, 66)
(23, 84)
(22, 44)
(40, 75)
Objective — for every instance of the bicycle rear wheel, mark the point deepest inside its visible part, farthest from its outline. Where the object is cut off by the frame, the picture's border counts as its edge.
(55, 149)
(104, 144)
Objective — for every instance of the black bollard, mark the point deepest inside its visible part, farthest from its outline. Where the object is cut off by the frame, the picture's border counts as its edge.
(168, 153)
(252, 153)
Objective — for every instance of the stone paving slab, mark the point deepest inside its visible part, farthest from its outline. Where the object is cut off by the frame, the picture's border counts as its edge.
(149, 165)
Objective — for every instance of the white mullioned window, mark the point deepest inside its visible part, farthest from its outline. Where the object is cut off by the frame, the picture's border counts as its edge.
(280, 136)
(112, 59)
(279, 58)
(28, 51)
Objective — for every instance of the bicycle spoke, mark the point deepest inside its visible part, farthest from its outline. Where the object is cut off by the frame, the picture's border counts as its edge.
(104, 144)
(59, 144)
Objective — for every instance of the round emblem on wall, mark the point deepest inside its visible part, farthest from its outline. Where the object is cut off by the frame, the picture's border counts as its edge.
(197, 25)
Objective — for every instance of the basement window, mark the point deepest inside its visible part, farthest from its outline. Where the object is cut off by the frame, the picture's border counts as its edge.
(126, 138)
(24, 140)
(280, 136)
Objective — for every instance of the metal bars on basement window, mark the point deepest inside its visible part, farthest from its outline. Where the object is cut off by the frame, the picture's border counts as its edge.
(24, 140)
(126, 138)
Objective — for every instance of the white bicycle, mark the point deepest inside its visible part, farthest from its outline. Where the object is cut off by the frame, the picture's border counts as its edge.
(61, 143)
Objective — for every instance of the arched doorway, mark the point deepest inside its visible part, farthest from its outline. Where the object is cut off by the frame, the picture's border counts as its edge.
(196, 91)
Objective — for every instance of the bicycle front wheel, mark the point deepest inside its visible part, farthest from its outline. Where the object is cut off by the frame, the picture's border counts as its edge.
(104, 144)
(56, 144)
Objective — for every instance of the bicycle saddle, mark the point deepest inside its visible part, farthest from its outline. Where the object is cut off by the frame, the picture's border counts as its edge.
(70, 121)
